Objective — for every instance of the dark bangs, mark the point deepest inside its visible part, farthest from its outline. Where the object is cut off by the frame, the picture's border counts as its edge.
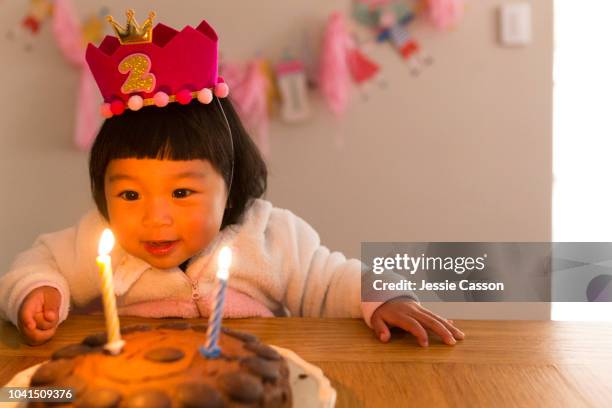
(183, 132)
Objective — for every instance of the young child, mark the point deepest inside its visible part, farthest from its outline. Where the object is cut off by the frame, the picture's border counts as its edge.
(176, 183)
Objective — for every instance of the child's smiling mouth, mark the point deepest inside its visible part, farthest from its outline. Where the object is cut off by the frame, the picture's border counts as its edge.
(160, 248)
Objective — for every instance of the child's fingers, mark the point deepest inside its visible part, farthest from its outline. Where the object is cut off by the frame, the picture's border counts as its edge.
(36, 337)
(27, 320)
(381, 329)
(26, 316)
(42, 323)
(50, 313)
(410, 325)
(52, 304)
(437, 327)
(50, 316)
(449, 324)
(30, 323)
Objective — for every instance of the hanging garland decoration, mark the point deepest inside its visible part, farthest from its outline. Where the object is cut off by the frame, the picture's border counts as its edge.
(24, 32)
(388, 21)
(292, 84)
(334, 75)
(445, 14)
(38, 12)
(72, 37)
(251, 88)
(261, 87)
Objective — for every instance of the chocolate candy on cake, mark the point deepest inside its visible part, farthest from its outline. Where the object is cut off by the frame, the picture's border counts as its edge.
(175, 326)
(262, 350)
(198, 395)
(71, 351)
(246, 337)
(99, 398)
(241, 386)
(200, 327)
(148, 399)
(51, 372)
(164, 354)
(95, 340)
(135, 328)
(162, 368)
(266, 369)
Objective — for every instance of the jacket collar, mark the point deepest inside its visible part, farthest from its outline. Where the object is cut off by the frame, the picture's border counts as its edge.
(127, 268)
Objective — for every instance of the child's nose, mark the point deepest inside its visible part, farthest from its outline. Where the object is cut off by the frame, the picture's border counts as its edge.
(157, 213)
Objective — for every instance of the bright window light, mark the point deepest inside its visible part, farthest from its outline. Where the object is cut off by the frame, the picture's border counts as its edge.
(582, 152)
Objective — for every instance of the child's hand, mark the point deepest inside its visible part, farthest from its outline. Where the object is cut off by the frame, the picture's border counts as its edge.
(412, 317)
(39, 314)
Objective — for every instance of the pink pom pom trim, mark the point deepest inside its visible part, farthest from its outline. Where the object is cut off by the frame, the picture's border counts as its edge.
(135, 102)
(205, 96)
(117, 107)
(105, 110)
(161, 99)
(183, 96)
(221, 90)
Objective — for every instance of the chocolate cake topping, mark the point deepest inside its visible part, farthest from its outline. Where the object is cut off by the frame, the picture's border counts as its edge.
(246, 337)
(71, 351)
(262, 350)
(75, 382)
(200, 327)
(266, 369)
(163, 368)
(99, 398)
(241, 386)
(198, 395)
(175, 326)
(147, 399)
(52, 371)
(136, 328)
(95, 340)
(164, 354)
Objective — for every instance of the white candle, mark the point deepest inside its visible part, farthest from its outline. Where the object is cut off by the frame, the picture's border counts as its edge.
(114, 343)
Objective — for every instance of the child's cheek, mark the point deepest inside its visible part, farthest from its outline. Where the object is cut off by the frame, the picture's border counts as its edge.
(125, 225)
(199, 231)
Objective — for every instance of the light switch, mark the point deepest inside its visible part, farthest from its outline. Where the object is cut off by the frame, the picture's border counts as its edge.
(515, 24)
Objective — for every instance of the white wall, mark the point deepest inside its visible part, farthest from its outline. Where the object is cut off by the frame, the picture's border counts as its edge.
(462, 152)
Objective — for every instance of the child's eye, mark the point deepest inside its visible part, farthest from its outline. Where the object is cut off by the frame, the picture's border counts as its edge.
(129, 195)
(182, 193)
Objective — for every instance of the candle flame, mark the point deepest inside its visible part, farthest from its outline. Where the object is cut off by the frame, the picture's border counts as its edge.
(107, 241)
(225, 260)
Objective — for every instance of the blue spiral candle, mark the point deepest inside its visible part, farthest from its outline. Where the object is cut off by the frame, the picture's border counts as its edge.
(211, 348)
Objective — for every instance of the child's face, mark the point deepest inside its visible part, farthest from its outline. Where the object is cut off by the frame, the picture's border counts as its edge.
(164, 211)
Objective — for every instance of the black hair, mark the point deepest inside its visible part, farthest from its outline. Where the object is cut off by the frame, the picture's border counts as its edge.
(184, 132)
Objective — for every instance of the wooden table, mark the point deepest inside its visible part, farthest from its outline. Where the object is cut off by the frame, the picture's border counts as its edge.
(500, 364)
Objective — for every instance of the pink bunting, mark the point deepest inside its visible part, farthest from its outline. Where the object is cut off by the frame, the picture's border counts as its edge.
(361, 66)
(69, 36)
(444, 14)
(334, 75)
(249, 95)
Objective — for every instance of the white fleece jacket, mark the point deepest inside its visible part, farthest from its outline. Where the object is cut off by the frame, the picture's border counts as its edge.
(279, 268)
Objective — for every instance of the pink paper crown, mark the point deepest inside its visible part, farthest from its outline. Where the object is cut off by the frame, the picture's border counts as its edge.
(155, 66)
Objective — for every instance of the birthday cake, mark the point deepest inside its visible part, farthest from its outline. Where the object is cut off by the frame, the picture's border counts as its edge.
(162, 367)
